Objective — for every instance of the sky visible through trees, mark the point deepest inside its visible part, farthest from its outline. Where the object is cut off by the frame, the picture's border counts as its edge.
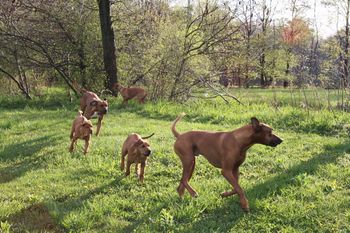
(328, 21)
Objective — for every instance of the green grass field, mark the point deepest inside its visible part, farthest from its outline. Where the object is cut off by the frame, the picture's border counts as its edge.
(303, 185)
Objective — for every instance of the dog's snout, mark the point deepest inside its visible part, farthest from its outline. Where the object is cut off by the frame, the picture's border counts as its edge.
(276, 141)
(148, 152)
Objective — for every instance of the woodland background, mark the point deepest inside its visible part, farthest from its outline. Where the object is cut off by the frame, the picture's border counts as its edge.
(171, 49)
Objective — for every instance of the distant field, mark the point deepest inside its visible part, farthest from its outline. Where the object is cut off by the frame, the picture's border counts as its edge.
(303, 185)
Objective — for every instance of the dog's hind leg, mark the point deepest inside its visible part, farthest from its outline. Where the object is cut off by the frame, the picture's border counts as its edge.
(192, 169)
(71, 132)
(188, 163)
(122, 162)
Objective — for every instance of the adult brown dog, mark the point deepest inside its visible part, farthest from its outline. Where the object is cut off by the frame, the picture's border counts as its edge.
(138, 150)
(81, 129)
(129, 93)
(225, 150)
(92, 106)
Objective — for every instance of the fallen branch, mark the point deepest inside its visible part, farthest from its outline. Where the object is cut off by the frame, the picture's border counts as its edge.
(222, 96)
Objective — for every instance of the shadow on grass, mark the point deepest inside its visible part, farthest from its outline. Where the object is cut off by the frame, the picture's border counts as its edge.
(263, 190)
(22, 157)
(49, 102)
(35, 218)
(27, 148)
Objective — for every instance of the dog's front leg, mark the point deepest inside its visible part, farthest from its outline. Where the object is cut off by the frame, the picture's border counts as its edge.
(128, 164)
(99, 123)
(71, 148)
(137, 168)
(235, 173)
(227, 173)
(122, 162)
(142, 172)
(86, 147)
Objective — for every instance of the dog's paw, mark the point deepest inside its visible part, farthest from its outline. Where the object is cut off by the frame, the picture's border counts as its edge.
(194, 195)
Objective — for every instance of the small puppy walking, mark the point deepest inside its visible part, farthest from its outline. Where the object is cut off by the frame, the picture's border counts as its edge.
(129, 93)
(138, 150)
(225, 150)
(92, 106)
(81, 129)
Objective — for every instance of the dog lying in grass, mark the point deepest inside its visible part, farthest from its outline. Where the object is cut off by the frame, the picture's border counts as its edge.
(138, 150)
(225, 150)
(129, 93)
(81, 129)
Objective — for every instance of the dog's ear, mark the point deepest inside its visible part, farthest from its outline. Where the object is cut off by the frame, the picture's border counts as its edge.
(256, 124)
(136, 144)
(93, 103)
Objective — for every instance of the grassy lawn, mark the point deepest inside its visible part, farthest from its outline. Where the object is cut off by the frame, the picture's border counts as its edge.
(303, 185)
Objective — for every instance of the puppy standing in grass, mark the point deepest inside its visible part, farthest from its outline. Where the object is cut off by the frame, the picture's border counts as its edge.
(138, 150)
(81, 129)
(225, 150)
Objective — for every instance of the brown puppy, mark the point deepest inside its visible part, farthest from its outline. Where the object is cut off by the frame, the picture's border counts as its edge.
(92, 106)
(225, 150)
(81, 129)
(129, 93)
(138, 150)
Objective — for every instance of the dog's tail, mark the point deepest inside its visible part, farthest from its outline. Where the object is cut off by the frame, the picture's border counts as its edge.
(176, 134)
(80, 113)
(148, 136)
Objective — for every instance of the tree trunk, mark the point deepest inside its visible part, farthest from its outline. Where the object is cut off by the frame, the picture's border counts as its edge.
(178, 77)
(109, 56)
(346, 49)
(262, 69)
(82, 65)
(264, 24)
(246, 65)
